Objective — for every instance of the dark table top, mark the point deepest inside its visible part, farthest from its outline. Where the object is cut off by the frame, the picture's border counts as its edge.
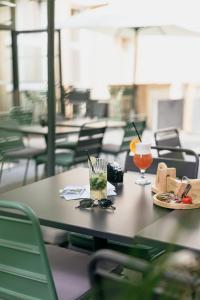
(134, 207)
(180, 228)
(91, 122)
(38, 130)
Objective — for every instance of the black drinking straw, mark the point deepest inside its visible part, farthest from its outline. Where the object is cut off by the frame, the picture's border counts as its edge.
(89, 159)
(133, 123)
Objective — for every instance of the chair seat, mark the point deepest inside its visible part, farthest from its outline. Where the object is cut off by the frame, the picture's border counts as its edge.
(111, 148)
(70, 273)
(61, 159)
(26, 152)
(54, 236)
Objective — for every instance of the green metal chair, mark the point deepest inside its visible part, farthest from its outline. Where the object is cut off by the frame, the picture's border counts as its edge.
(26, 272)
(24, 117)
(128, 134)
(13, 148)
(168, 137)
(70, 141)
(89, 139)
(148, 282)
(184, 167)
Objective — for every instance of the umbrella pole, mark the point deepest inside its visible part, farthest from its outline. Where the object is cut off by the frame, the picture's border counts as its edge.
(51, 91)
(135, 66)
(135, 54)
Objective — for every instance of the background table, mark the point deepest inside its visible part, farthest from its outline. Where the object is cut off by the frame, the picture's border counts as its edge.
(134, 207)
(38, 130)
(91, 122)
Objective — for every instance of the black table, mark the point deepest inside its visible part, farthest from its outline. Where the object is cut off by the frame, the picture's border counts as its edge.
(91, 122)
(38, 130)
(134, 207)
(179, 229)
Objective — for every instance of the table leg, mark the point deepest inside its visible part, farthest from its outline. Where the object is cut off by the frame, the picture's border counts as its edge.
(100, 243)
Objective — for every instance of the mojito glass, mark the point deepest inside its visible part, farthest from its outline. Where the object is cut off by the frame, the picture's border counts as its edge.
(98, 179)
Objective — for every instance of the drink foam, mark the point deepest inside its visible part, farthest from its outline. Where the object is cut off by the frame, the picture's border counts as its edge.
(142, 148)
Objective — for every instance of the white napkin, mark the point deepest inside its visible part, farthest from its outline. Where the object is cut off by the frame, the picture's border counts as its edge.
(74, 192)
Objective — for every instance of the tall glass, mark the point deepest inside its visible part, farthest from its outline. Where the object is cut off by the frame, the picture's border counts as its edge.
(143, 160)
(98, 179)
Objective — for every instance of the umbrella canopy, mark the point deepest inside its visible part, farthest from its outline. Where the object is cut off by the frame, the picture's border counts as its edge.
(138, 13)
(169, 16)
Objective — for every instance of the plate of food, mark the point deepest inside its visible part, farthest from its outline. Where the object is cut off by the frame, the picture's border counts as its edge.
(172, 201)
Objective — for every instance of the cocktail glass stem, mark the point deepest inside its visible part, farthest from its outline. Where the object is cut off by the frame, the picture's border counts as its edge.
(142, 173)
(142, 180)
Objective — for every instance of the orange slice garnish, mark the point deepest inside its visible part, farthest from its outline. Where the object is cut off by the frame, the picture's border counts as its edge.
(133, 143)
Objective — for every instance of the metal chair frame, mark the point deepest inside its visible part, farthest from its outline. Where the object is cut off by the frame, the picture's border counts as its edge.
(168, 137)
(128, 134)
(90, 139)
(183, 167)
(24, 266)
(106, 285)
(12, 146)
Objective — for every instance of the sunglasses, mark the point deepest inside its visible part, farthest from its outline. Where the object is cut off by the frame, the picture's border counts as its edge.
(89, 203)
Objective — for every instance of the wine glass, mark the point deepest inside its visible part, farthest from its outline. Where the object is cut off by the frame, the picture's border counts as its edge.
(143, 160)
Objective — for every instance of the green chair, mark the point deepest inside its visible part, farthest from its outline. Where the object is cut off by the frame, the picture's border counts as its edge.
(13, 148)
(188, 166)
(128, 134)
(168, 137)
(141, 280)
(28, 270)
(89, 139)
(70, 141)
(24, 117)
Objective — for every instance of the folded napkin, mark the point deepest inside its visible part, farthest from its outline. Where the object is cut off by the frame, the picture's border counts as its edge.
(74, 192)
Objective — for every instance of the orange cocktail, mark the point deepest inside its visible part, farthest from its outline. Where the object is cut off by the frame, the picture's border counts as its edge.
(142, 160)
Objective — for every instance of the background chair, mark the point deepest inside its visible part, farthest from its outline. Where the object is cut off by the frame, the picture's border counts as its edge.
(12, 147)
(79, 99)
(156, 281)
(89, 139)
(168, 137)
(69, 142)
(183, 167)
(128, 134)
(25, 269)
(21, 115)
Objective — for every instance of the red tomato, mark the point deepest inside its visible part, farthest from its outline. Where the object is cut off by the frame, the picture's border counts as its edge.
(187, 200)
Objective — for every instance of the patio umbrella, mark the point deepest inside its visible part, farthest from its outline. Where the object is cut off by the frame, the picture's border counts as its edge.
(7, 3)
(169, 16)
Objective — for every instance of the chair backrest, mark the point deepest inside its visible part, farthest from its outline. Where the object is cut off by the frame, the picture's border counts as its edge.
(90, 139)
(78, 95)
(168, 137)
(21, 115)
(24, 267)
(183, 167)
(129, 133)
(10, 140)
(155, 283)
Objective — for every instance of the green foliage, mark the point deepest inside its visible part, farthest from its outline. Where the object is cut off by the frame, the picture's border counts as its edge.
(98, 181)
